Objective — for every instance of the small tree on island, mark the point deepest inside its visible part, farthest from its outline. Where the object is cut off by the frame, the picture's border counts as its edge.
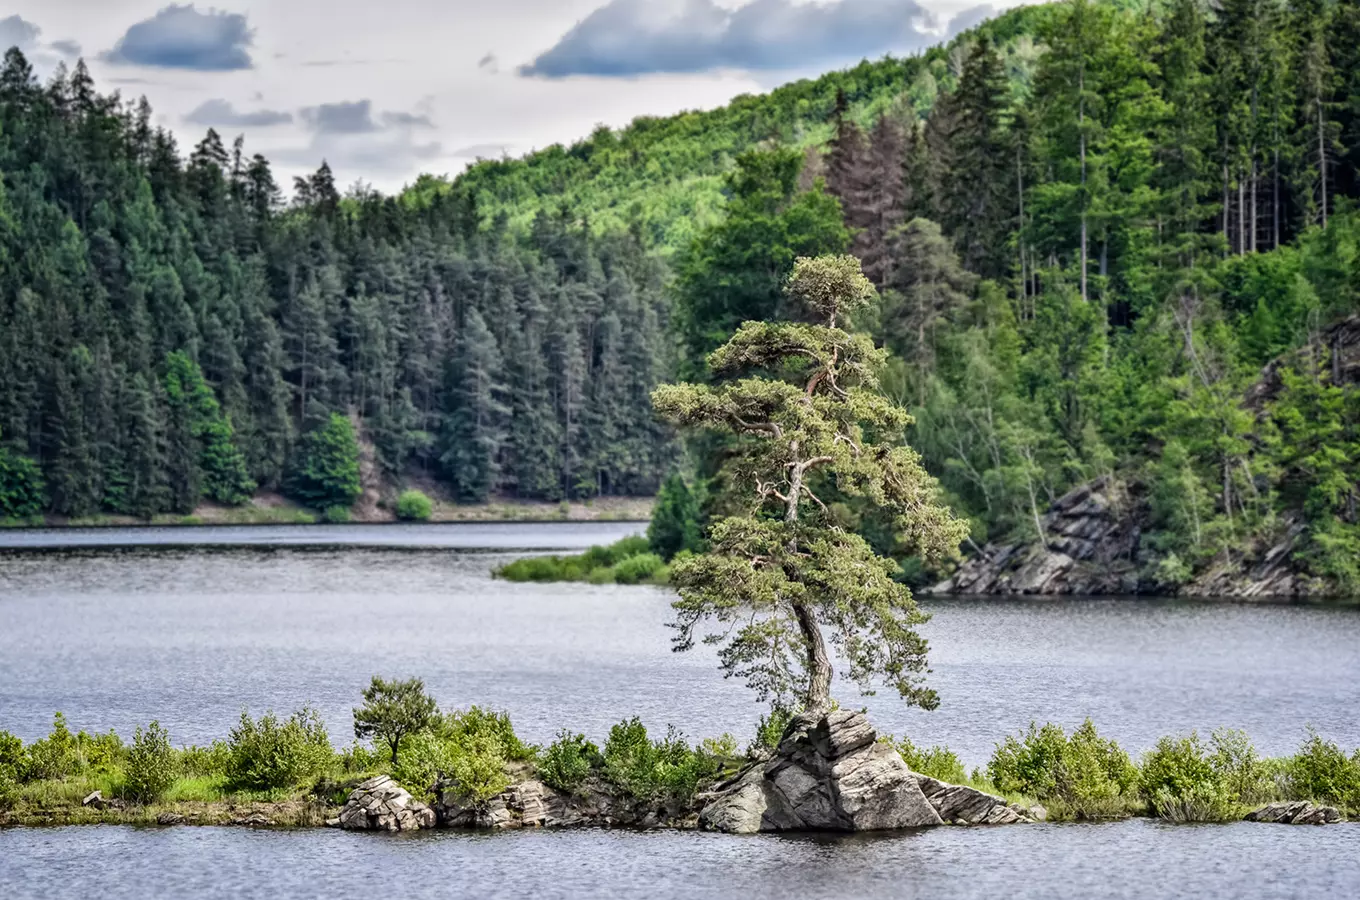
(392, 711)
(776, 576)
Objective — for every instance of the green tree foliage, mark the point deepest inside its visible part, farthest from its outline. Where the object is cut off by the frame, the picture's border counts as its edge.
(325, 472)
(203, 453)
(393, 711)
(675, 525)
(775, 576)
(1089, 774)
(21, 486)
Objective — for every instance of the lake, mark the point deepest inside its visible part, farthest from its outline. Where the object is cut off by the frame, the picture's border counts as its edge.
(126, 628)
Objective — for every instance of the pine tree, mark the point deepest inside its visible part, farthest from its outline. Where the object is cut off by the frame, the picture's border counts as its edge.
(474, 425)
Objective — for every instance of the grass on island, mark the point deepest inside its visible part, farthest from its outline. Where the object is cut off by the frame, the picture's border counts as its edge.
(629, 561)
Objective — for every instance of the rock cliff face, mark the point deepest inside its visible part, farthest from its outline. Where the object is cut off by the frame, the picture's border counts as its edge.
(1095, 544)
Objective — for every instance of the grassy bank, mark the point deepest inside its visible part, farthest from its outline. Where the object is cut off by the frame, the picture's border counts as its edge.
(285, 772)
(629, 561)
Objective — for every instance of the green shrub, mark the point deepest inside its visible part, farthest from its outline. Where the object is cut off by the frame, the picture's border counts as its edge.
(55, 756)
(637, 569)
(204, 762)
(494, 729)
(1180, 782)
(336, 515)
(13, 761)
(1089, 775)
(358, 758)
(425, 759)
(651, 770)
(269, 755)
(414, 506)
(1322, 772)
(935, 762)
(598, 565)
(1246, 777)
(770, 729)
(394, 710)
(101, 754)
(150, 767)
(568, 761)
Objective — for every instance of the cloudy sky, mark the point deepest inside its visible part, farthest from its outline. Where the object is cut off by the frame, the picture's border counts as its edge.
(387, 90)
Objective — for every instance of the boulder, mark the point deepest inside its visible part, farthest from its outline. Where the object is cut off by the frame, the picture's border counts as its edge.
(380, 804)
(829, 773)
(957, 804)
(1297, 812)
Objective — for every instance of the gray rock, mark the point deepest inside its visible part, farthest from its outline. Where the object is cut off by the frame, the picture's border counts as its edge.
(95, 799)
(961, 805)
(380, 804)
(830, 773)
(1297, 812)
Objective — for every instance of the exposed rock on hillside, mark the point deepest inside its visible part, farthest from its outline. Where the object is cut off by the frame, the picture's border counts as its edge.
(960, 805)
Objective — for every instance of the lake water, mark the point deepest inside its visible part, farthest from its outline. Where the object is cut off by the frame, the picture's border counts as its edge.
(114, 635)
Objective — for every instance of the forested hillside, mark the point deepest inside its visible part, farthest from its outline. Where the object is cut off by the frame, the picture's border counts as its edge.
(1092, 223)
(172, 331)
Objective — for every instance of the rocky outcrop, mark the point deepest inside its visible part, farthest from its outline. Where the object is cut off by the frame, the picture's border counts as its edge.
(1341, 344)
(1094, 546)
(1298, 812)
(533, 804)
(380, 804)
(957, 804)
(829, 773)
(1092, 542)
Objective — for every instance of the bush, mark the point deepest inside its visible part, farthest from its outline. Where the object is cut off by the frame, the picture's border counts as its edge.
(1246, 777)
(204, 762)
(935, 762)
(770, 729)
(1180, 782)
(1090, 775)
(636, 569)
(424, 760)
(568, 761)
(55, 756)
(336, 515)
(270, 755)
(494, 729)
(13, 761)
(1322, 772)
(150, 767)
(651, 770)
(414, 506)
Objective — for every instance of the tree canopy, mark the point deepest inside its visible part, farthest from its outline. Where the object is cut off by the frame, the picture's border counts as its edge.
(773, 577)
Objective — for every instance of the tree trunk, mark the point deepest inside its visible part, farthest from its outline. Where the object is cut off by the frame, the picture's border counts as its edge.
(1081, 124)
(818, 663)
(1322, 160)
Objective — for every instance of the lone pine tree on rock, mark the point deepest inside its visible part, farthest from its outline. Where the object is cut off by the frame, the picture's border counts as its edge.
(812, 420)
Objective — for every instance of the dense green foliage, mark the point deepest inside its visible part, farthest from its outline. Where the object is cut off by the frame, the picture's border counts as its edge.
(21, 486)
(656, 769)
(1090, 776)
(414, 506)
(171, 331)
(567, 762)
(149, 770)
(325, 471)
(393, 711)
(267, 754)
(935, 762)
(676, 524)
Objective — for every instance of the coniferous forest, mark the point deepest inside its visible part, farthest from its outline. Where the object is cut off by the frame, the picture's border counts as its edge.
(1093, 224)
